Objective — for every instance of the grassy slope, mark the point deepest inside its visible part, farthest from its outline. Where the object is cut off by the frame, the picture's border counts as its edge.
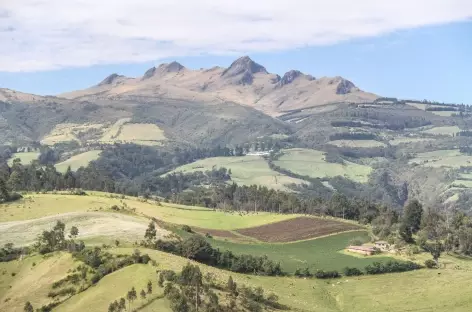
(40, 205)
(246, 170)
(31, 283)
(357, 143)
(442, 158)
(77, 161)
(447, 130)
(312, 163)
(322, 253)
(26, 157)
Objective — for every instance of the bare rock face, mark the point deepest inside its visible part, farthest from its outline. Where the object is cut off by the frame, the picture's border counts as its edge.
(344, 87)
(112, 79)
(292, 75)
(173, 67)
(243, 69)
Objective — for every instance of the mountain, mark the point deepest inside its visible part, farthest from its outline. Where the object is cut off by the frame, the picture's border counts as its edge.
(244, 82)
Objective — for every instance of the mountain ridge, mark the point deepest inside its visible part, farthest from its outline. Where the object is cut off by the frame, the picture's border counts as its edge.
(244, 82)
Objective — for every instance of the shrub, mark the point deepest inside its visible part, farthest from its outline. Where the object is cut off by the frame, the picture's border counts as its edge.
(186, 228)
(62, 292)
(352, 271)
(356, 241)
(208, 235)
(430, 264)
(391, 267)
(327, 274)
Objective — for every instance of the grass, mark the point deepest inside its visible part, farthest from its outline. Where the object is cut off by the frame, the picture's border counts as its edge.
(25, 157)
(123, 131)
(79, 160)
(245, 170)
(357, 143)
(31, 283)
(114, 286)
(90, 224)
(442, 158)
(67, 132)
(312, 163)
(35, 206)
(462, 183)
(447, 130)
(321, 253)
(406, 140)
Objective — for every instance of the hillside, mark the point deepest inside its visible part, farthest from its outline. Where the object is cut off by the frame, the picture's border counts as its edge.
(44, 279)
(244, 82)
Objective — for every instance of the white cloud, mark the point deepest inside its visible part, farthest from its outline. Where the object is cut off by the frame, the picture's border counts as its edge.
(49, 34)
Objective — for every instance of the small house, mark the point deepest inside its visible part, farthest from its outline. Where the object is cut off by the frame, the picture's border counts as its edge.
(364, 250)
(382, 245)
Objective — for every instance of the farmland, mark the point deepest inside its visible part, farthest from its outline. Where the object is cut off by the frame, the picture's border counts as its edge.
(442, 158)
(143, 134)
(297, 229)
(35, 206)
(357, 143)
(245, 170)
(424, 289)
(312, 163)
(407, 140)
(25, 157)
(77, 161)
(448, 130)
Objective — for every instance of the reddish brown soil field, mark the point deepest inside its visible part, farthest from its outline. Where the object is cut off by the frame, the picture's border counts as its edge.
(297, 229)
(217, 233)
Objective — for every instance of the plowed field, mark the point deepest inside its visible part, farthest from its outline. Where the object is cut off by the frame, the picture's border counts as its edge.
(297, 229)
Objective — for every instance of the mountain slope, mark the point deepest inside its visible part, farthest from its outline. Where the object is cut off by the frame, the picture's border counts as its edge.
(244, 82)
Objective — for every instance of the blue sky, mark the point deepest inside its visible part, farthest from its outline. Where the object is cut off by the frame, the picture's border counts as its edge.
(422, 54)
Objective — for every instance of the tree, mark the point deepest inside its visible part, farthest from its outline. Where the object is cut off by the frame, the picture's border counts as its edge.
(411, 221)
(4, 194)
(151, 232)
(142, 294)
(28, 307)
(149, 287)
(122, 304)
(231, 285)
(131, 296)
(74, 231)
(112, 307)
(192, 276)
(435, 249)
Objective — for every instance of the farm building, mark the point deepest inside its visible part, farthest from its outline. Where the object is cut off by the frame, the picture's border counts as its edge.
(365, 250)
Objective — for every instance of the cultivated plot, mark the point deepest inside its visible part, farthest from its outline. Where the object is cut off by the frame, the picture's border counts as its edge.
(312, 163)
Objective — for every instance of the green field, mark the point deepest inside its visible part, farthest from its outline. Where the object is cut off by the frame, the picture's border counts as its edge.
(407, 140)
(312, 163)
(77, 161)
(35, 206)
(26, 157)
(357, 143)
(245, 170)
(321, 253)
(448, 130)
(442, 158)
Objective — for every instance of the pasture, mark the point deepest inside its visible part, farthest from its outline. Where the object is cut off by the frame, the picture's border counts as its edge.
(357, 143)
(66, 132)
(90, 224)
(442, 158)
(245, 170)
(407, 140)
(446, 130)
(35, 206)
(77, 161)
(25, 157)
(321, 253)
(125, 132)
(312, 163)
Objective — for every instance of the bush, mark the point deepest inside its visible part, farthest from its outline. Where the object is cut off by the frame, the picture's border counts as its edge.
(62, 292)
(391, 267)
(327, 274)
(357, 241)
(352, 271)
(430, 264)
(186, 228)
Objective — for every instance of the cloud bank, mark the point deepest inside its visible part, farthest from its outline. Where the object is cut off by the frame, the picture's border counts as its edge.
(40, 35)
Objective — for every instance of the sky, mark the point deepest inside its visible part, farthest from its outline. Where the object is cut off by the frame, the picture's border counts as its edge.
(407, 49)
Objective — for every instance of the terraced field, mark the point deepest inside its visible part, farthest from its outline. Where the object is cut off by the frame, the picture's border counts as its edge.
(245, 170)
(312, 163)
